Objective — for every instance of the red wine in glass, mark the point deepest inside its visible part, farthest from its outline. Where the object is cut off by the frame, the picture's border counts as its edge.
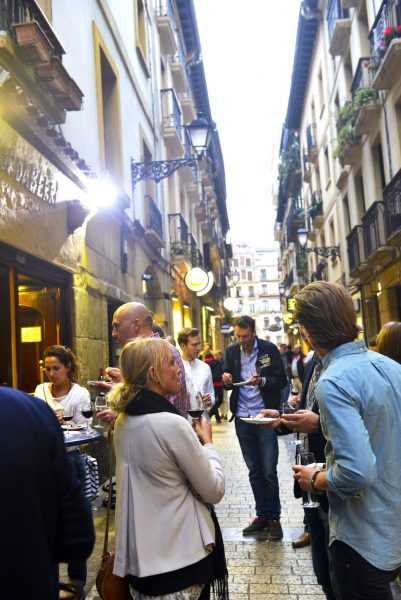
(195, 414)
(87, 413)
(67, 418)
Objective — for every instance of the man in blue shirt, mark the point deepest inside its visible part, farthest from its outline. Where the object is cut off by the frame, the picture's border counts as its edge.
(359, 396)
(257, 362)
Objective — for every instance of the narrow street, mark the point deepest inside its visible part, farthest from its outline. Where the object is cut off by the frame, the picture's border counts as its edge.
(258, 568)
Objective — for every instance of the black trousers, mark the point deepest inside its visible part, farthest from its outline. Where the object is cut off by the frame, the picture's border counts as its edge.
(356, 578)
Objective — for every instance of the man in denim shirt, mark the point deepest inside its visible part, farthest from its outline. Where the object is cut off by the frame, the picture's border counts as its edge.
(359, 395)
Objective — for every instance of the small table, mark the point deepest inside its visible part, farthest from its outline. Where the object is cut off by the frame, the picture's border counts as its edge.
(78, 438)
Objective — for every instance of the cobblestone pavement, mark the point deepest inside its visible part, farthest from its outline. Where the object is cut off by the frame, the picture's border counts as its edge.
(258, 568)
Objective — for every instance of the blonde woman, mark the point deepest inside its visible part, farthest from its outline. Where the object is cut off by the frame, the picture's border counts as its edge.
(168, 538)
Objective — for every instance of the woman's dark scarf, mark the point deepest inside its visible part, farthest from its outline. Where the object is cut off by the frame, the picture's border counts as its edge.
(145, 403)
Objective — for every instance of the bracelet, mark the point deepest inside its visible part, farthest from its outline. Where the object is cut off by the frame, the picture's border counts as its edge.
(312, 483)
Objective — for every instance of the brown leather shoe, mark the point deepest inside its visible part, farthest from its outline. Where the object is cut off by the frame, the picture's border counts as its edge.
(302, 541)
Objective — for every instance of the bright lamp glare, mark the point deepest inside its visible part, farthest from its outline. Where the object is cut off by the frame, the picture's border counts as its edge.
(102, 193)
(196, 279)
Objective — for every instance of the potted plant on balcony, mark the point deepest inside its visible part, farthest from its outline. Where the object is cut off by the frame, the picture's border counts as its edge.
(347, 139)
(367, 101)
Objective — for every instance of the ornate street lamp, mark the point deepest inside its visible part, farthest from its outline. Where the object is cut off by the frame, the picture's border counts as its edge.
(325, 251)
(200, 135)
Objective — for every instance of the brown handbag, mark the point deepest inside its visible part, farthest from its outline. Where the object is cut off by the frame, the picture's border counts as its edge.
(108, 585)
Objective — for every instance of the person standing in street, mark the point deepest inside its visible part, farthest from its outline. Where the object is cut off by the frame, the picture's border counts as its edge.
(297, 367)
(359, 396)
(285, 392)
(130, 321)
(198, 374)
(258, 363)
(45, 517)
(216, 368)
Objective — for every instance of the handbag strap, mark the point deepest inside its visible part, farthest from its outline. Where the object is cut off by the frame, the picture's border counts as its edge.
(111, 467)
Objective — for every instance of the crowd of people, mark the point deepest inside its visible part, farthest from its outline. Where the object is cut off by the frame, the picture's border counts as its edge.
(344, 406)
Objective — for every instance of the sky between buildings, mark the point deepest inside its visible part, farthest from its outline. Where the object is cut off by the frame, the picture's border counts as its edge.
(248, 51)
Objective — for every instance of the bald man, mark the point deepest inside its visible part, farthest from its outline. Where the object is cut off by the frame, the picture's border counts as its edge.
(130, 321)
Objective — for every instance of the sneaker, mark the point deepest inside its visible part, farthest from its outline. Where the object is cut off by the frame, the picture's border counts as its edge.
(257, 525)
(275, 530)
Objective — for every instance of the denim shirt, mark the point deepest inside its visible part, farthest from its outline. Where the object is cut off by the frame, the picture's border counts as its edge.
(250, 401)
(359, 395)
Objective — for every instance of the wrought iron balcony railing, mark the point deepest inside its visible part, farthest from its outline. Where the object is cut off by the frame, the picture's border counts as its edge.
(171, 111)
(155, 220)
(178, 234)
(311, 143)
(373, 223)
(335, 13)
(355, 248)
(362, 77)
(389, 16)
(392, 205)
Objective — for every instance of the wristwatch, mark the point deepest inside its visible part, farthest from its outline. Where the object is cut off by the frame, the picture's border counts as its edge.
(312, 482)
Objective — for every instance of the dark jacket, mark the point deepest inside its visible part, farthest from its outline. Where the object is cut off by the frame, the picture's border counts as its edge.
(268, 364)
(44, 517)
(216, 368)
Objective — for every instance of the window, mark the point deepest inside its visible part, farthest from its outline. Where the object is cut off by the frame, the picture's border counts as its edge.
(140, 30)
(252, 308)
(248, 262)
(264, 290)
(265, 306)
(243, 274)
(250, 276)
(242, 261)
(266, 323)
(263, 274)
(251, 291)
(347, 220)
(238, 292)
(235, 262)
(108, 110)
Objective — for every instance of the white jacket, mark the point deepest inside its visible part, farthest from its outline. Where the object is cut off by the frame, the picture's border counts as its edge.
(160, 525)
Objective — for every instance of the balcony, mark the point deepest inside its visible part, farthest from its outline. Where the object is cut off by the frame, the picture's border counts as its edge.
(339, 28)
(374, 234)
(349, 144)
(201, 209)
(165, 26)
(315, 210)
(307, 176)
(365, 99)
(295, 219)
(385, 45)
(392, 206)
(28, 48)
(153, 223)
(177, 66)
(171, 123)
(179, 246)
(187, 105)
(356, 252)
(311, 144)
(290, 164)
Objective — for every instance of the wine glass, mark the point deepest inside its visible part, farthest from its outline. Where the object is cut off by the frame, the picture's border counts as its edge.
(308, 459)
(67, 416)
(100, 405)
(87, 413)
(197, 406)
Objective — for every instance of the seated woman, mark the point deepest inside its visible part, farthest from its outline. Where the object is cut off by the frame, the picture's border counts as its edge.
(168, 538)
(389, 340)
(62, 393)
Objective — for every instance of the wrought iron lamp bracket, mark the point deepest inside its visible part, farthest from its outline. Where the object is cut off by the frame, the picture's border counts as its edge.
(159, 169)
(326, 251)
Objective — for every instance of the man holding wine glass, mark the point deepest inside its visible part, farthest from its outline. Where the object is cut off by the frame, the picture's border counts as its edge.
(359, 396)
(198, 375)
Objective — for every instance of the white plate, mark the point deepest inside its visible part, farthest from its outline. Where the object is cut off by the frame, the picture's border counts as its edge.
(73, 427)
(241, 383)
(259, 420)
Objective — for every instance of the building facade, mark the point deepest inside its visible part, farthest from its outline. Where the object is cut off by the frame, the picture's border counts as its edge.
(256, 293)
(340, 158)
(88, 90)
